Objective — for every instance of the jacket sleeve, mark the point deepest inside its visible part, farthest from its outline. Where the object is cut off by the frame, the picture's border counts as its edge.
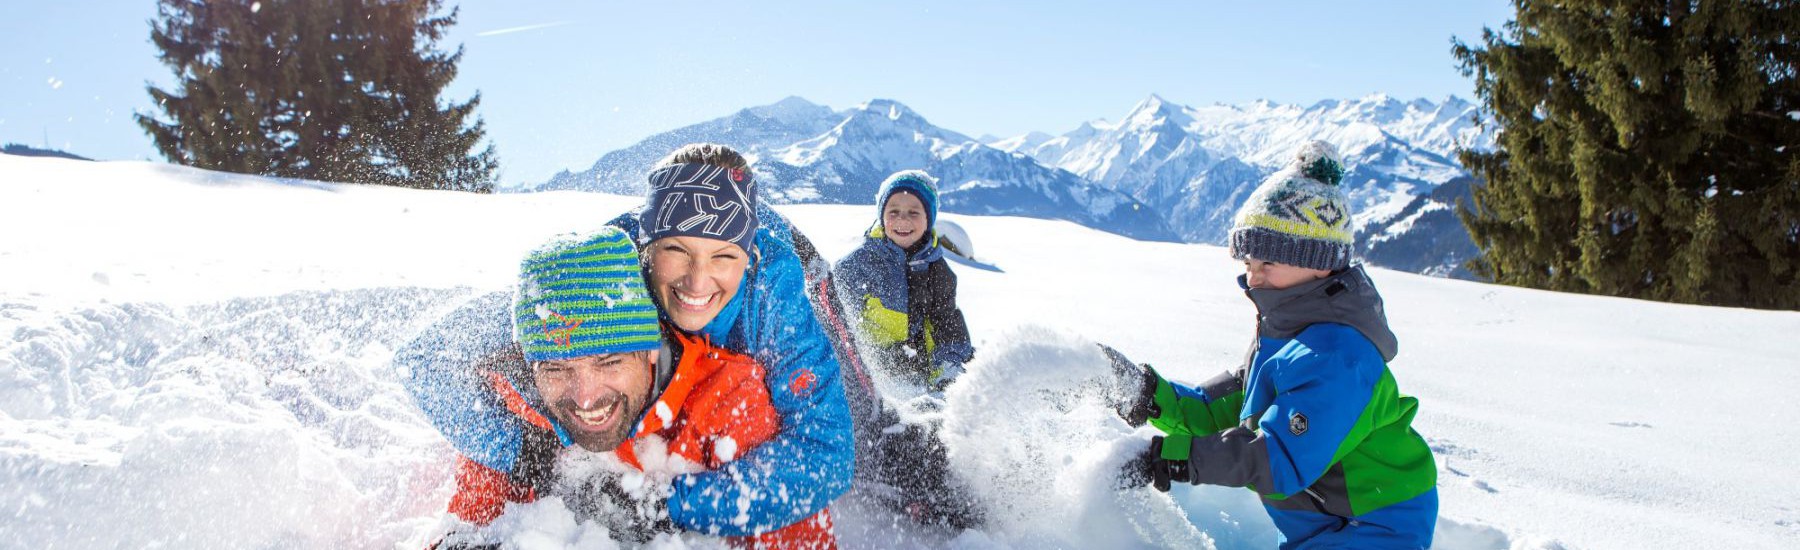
(482, 493)
(1324, 380)
(949, 331)
(440, 368)
(1208, 408)
(726, 413)
(808, 464)
(851, 275)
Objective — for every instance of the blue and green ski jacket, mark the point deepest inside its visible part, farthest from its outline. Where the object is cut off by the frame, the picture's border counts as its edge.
(1314, 422)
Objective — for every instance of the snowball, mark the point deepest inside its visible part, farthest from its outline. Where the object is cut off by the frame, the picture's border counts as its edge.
(725, 449)
(663, 413)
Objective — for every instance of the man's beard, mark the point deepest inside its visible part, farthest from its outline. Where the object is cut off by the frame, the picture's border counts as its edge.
(626, 415)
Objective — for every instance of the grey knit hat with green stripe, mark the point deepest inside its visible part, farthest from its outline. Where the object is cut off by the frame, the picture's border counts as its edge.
(583, 294)
(1298, 216)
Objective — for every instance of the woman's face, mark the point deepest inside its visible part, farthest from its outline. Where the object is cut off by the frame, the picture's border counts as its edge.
(694, 277)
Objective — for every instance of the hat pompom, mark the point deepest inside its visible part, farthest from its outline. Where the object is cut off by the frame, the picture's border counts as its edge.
(1319, 160)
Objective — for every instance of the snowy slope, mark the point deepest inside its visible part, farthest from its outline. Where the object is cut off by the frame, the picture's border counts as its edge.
(198, 360)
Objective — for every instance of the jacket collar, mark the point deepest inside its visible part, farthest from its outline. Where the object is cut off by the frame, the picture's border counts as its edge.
(1347, 297)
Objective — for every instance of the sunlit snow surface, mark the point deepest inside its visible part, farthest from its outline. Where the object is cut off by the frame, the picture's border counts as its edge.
(198, 360)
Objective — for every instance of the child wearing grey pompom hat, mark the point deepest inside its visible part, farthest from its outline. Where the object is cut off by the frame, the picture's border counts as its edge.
(1299, 216)
(1313, 421)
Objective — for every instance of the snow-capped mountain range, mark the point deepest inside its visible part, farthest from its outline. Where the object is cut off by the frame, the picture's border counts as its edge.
(1164, 172)
(807, 153)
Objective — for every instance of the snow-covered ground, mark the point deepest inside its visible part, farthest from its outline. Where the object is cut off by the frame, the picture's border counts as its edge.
(197, 360)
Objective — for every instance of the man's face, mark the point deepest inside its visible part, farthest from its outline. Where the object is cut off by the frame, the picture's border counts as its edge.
(693, 277)
(597, 398)
(1274, 276)
(904, 219)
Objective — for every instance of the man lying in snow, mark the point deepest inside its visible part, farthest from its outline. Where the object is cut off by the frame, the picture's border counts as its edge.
(721, 266)
(654, 401)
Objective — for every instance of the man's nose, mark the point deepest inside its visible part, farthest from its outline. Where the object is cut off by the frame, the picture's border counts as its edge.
(587, 387)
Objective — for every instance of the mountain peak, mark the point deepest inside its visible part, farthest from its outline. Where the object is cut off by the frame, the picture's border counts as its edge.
(794, 102)
(1028, 140)
(1378, 97)
(790, 109)
(1156, 110)
(1325, 105)
(894, 110)
(1154, 104)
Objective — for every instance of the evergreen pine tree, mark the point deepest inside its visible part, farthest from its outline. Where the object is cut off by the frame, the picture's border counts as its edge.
(1646, 149)
(333, 90)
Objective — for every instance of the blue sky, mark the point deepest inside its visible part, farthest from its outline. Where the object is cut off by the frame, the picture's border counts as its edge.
(563, 82)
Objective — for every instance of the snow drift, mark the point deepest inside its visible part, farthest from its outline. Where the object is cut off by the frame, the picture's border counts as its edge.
(200, 360)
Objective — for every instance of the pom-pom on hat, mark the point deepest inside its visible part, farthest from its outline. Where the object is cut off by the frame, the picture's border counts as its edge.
(1298, 216)
(917, 182)
(583, 294)
(701, 200)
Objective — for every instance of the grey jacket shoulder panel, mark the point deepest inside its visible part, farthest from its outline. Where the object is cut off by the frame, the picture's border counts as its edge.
(1347, 297)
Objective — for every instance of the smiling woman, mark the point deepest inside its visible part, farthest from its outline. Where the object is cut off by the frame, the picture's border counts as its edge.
(693, 278)
(701, 221)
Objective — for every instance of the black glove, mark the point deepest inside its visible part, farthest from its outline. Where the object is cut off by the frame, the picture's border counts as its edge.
(1154, 467)
(1134, 396)
(537, 459)
(635, 519)
(942, 375)
(460, 541)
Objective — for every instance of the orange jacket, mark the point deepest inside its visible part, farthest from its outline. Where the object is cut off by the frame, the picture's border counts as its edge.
(714, 408)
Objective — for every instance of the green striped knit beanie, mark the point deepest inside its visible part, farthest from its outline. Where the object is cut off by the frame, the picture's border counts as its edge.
(1298, 216)
(583, 294)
